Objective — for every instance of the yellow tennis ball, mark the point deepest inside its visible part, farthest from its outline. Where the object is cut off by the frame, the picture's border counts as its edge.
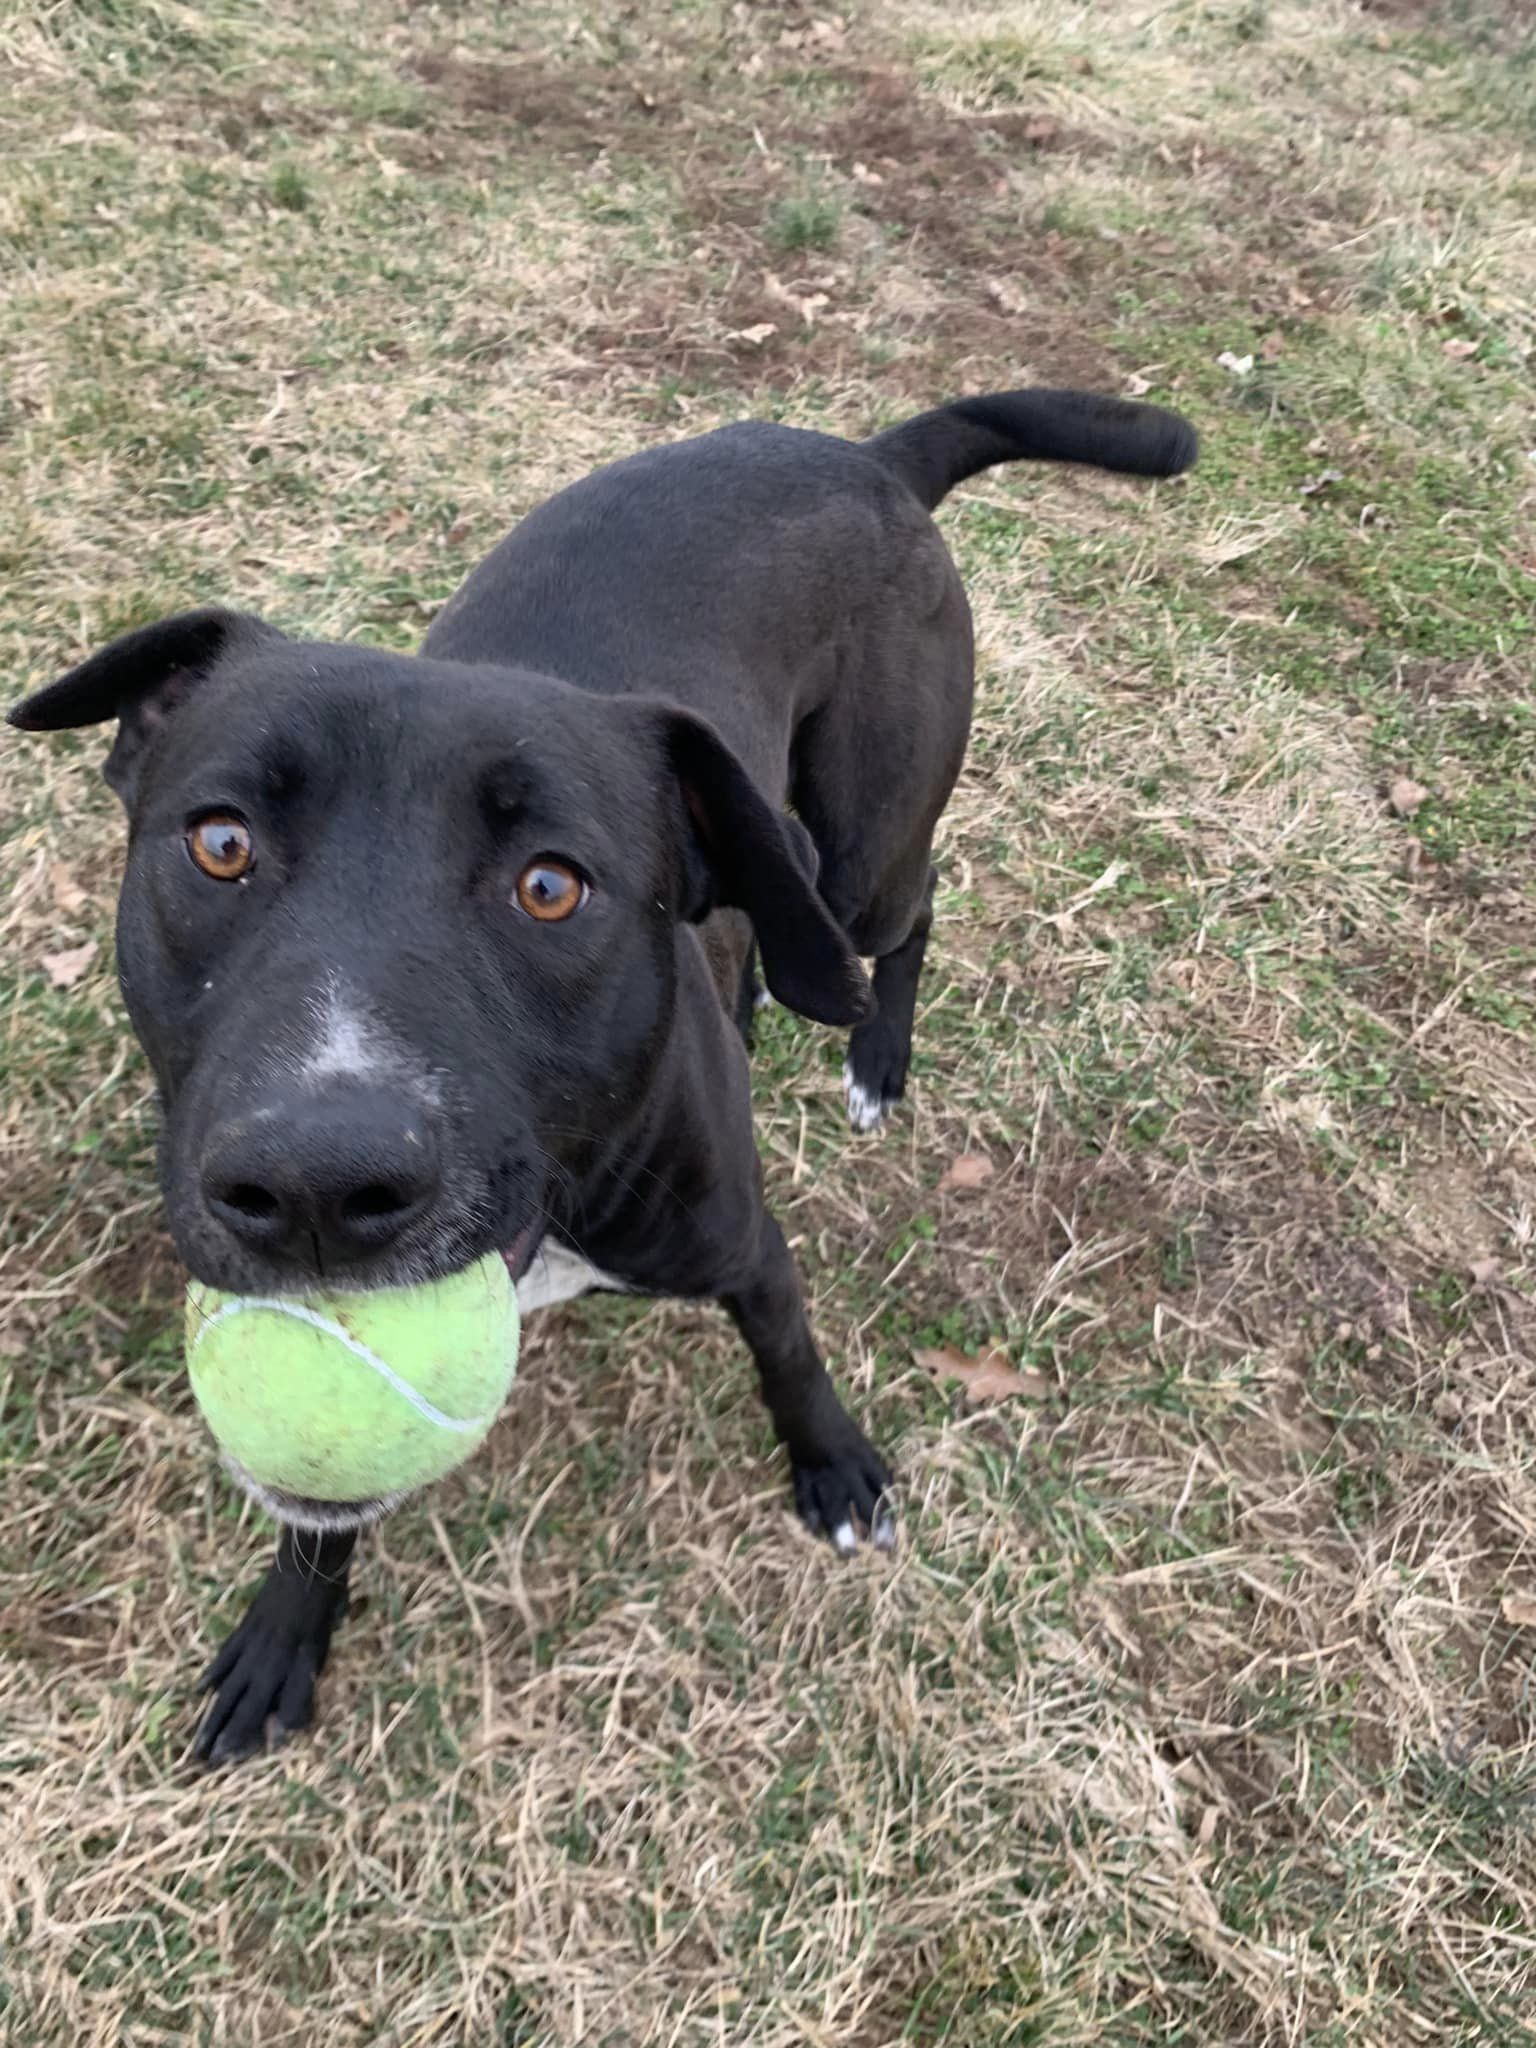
(347, 1398)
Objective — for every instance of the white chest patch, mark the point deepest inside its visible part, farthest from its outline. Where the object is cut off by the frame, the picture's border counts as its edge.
(559, 1274)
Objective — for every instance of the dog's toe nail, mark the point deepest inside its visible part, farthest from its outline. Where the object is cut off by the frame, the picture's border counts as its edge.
(844, 1542)
(883, 1535)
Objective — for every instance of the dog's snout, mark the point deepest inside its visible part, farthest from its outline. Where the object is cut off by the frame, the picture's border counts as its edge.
(323, 1181)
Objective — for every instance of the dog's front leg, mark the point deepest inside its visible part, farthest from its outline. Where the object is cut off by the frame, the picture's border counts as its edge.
(840, 1479)
(263, 1680)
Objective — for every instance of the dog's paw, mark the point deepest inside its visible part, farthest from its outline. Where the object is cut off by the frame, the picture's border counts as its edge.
(845, 1493)
(263, 1679)
(867, 1104)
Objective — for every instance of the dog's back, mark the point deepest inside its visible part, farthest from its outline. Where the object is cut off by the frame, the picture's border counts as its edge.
(792, 588)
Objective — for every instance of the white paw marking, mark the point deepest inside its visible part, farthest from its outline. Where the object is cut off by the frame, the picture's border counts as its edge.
(865, 1109)
(762, 1000)
(559, 1274)
(844, 1542)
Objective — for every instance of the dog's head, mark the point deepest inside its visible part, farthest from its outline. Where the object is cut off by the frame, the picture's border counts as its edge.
(401, 938)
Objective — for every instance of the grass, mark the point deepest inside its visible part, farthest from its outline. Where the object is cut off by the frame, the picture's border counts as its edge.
(1197, 1707)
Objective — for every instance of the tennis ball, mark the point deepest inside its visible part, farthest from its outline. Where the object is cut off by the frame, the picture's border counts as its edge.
(354, 1397)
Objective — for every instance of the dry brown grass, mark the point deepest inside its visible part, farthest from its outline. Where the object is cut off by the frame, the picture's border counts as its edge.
(1197, 1707)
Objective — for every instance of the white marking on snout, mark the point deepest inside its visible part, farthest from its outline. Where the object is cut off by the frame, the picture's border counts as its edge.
(351, 1045)
(348, 1043)
(865, 1108)
(559, 1274)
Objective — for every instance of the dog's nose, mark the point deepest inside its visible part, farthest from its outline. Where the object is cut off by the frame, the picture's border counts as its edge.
(325, 1181)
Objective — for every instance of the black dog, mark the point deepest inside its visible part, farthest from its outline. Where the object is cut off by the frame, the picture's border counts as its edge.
(414, 943)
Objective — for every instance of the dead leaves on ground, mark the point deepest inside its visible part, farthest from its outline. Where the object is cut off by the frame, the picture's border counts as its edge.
(1404, 796)
(65, 969)
(991, 1377)
(970, 1170)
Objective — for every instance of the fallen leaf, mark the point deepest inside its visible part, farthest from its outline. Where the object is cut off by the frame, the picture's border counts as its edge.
(68, 895)
(1317, 445)
(1240, 366)
(1041, 131)
(1405, 795)
(753, 336)
(1083, 66)
(1520, 1609)
(397, 522)
(65, 969)
(1137, 386)
(863, 175)
(1485, 1272)
(970, 1170)
(1272, 346)
(1311, 485)
(1460, 348)
(1006, 296)
(807, 304)
(988, 1378)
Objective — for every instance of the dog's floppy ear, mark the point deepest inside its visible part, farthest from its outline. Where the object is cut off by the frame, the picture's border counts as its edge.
(138, 679)
(740, 852)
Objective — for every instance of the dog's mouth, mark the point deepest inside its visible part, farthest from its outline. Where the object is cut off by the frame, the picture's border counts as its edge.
(523, 1249)
(300, 1511)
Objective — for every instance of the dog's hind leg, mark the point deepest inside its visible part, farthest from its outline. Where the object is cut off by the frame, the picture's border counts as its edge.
(875, 1073)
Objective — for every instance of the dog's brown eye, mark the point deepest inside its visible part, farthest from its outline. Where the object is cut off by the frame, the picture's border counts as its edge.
(221, 845)
(550, 891)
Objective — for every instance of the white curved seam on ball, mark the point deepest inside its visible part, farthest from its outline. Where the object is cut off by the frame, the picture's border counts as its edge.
(327, 1328)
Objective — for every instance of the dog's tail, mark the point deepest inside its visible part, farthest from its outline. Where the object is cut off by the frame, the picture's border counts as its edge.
(940, 449)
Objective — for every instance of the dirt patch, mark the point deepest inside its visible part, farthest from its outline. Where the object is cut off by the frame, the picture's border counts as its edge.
(936, 261)
(933, 269)
(581, 107)
(1470, 679)
(930, 262)
(746, 339)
